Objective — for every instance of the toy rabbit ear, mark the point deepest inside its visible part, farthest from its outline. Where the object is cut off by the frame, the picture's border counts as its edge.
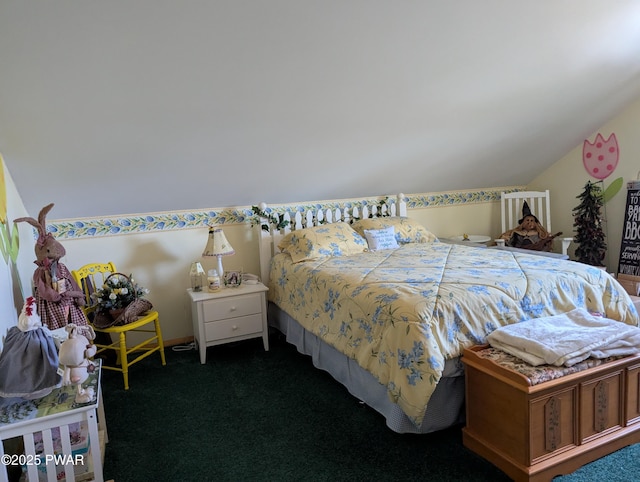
(42, 217)
(41, 224)
(32, 222)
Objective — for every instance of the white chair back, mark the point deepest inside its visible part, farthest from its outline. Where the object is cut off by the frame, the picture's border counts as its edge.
(512, 202)
(511, 208)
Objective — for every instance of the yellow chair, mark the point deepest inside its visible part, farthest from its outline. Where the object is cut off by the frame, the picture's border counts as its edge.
(91, 277)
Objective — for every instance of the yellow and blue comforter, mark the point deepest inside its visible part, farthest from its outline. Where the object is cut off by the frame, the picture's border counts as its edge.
(402, 313)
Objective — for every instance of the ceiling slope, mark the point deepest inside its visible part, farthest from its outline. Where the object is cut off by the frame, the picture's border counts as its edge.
(129, 107)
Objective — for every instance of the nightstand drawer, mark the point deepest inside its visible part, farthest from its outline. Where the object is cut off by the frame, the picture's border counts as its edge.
(245, 325)
(231, 307)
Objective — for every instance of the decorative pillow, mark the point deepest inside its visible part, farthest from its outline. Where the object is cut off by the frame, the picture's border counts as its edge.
(379, 239)
(337, 239)
(407, 230)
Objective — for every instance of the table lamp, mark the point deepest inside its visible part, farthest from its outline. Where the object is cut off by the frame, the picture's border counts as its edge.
(218, 246)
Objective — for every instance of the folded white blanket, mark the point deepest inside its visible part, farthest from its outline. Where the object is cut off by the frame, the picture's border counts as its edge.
(566, 339)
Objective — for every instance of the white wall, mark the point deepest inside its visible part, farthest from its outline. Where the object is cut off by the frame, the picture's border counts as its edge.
(15, 274)
(567, 177)
(171, 253)
(449, 221)
(160, 261)
(175, 101)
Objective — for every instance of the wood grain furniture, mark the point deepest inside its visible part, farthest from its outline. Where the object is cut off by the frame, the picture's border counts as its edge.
(45, 425)
(536, 432)
(229, 314)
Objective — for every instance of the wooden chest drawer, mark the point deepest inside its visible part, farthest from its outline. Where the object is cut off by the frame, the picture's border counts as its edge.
(537, 431)
(601, 407)
(553, 424)
(231, 307)
(633, 394)
(230, 328)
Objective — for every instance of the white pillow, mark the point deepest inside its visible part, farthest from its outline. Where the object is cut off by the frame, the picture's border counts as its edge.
(379, 239)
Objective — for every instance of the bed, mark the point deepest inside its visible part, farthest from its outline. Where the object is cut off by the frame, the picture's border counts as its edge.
(390, 323)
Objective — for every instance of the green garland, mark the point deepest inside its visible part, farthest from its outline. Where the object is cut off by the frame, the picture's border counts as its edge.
(277, 220)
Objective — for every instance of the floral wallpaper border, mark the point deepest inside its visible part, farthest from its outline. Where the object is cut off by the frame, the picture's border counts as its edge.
(110, 226)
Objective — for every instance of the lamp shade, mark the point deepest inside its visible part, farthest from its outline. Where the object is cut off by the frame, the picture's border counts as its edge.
(217, 244)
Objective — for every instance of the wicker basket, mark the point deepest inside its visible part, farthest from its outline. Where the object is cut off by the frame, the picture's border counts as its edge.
(122, 316)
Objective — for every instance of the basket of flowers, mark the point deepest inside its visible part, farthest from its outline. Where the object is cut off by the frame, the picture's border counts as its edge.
(119, 301)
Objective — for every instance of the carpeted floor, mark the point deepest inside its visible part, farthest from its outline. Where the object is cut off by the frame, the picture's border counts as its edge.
(251, 415)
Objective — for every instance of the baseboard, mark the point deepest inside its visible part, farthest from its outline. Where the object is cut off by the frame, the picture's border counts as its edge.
(175, 341)
(179, 341)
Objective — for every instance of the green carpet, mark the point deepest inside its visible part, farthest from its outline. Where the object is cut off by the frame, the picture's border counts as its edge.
(251, 415)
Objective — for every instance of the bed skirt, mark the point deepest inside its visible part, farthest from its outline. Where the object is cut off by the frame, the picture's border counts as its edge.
(445, 408)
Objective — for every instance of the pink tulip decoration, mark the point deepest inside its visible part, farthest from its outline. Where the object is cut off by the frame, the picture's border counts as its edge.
(600, 158)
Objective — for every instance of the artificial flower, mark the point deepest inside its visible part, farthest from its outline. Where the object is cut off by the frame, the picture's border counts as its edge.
(118, 292)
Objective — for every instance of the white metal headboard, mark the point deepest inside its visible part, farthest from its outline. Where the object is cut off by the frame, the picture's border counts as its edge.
(321, 212)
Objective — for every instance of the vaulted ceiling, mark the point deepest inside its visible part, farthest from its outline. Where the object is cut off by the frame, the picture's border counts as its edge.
(139, 106)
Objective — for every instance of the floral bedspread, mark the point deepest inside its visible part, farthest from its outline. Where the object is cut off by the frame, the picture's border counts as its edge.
(402, 313)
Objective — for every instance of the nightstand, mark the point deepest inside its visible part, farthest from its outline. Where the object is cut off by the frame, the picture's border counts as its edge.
(474, 240)
(227, 315)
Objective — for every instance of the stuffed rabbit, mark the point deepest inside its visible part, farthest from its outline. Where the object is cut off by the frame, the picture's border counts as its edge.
(58, 296)
(75, 352)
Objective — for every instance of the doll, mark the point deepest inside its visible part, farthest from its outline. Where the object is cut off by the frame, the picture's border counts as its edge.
(529, 234)
(58, 296)
(75, 352)
(29, 359)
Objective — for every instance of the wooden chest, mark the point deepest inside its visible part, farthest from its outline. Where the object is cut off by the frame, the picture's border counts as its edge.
(536, 432)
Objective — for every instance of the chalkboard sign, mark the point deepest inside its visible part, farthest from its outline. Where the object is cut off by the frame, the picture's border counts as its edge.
(629, 263)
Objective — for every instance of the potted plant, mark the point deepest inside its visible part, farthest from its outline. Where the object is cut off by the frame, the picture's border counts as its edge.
(590, 236)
